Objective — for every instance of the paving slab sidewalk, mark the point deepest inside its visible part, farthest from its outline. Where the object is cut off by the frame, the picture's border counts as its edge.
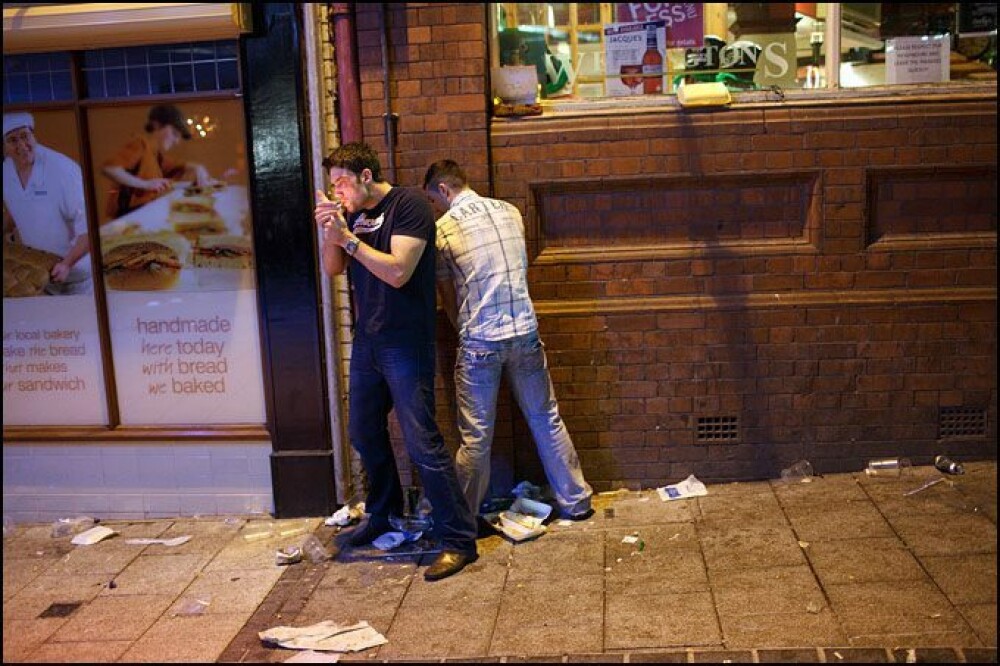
(844, 568)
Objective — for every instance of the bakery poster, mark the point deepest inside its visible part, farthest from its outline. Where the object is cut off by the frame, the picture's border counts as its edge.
(187, 357)
(177, 261)
(52, 368)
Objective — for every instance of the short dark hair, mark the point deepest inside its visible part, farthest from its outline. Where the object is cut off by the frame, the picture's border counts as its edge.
(162, 115)
(447, 172)
(355, 157)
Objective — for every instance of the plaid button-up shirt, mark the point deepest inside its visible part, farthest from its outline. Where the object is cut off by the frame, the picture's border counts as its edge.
(480, 248)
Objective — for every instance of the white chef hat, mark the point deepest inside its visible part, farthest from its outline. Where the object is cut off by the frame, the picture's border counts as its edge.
(11, 121)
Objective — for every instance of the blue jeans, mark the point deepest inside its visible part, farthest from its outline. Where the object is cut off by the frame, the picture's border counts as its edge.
(402, 378)
(478, 368)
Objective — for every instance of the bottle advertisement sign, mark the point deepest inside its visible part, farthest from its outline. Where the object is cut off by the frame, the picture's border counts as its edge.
(634, 57)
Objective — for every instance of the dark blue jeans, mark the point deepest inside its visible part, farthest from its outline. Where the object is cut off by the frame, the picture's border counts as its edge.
(385, 377)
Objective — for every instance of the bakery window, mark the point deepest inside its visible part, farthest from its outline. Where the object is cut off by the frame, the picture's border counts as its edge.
(162, 69)
(633, 51)
(129, 284)
(37, 77)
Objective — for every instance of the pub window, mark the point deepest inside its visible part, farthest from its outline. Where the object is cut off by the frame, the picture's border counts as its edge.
(599, 50)
(155, 324)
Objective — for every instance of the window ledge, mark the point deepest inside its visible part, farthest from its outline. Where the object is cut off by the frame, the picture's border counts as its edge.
(569, 108)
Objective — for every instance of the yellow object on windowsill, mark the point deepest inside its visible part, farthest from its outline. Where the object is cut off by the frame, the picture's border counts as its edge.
(692, 95)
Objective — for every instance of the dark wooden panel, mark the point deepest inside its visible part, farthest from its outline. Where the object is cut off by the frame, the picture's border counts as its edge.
(287, 272)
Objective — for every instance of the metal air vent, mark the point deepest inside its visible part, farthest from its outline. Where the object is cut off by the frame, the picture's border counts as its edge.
(961, 423)
(718, 429)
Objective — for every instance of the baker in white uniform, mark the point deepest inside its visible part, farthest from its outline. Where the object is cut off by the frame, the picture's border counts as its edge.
(43, 201)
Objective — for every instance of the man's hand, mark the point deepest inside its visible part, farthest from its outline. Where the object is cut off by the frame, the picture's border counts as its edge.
(158, 185)
(329, 217)
(60, 271)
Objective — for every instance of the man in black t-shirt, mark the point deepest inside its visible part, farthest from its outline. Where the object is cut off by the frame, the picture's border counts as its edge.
(387, 244)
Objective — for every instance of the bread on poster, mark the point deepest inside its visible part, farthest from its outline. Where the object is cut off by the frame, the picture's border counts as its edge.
(26, 270)
(143, 262)
(203, 190)
(222, 251)
(194, 216)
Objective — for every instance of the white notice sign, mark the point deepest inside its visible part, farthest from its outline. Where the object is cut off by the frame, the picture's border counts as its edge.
(918, 59)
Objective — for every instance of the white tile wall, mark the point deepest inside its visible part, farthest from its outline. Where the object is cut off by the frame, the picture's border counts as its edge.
(45, 482)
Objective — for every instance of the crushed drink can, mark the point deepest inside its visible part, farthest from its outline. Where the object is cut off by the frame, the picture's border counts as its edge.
(948, 466)
(290, 555)
(887, 467)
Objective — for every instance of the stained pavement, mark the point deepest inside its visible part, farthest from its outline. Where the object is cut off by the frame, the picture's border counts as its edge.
(844, 568)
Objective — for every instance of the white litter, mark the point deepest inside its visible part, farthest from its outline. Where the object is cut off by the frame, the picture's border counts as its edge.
(176, 541)
(346, 515)
(389, 540)
(325, 636)
(689, 487)
(92, 536)
(191, 606)
(523, 520)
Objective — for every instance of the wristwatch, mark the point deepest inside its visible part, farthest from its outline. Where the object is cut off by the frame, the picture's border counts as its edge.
(351, 246)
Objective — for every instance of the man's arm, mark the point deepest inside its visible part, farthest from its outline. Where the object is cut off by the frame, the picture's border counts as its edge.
(333, 255)
(396, 268)
(80, 247)
(123, 177)
(10, 234)
(73, 208)
(449, 300)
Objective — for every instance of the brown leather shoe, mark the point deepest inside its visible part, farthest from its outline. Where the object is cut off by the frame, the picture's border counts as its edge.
(447, 563)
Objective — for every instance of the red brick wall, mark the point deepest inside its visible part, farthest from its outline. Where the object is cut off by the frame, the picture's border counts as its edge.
(830, 283)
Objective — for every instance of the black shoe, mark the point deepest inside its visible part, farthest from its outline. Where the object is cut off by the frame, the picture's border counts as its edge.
(483, 528)
(583, 515)
(447, 563)
(366, 532)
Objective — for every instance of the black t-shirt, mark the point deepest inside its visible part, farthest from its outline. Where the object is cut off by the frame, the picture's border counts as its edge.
(385, 313)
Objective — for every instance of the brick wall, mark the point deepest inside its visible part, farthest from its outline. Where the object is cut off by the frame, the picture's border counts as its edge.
(832, 298)
(744, 287)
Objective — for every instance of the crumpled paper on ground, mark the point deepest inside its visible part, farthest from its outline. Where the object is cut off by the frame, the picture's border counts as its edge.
(326, 635)
(176, 541)
(92, 536)
(346, 515)
(689, 487)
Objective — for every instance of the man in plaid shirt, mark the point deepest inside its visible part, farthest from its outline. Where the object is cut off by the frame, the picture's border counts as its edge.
(482, 278)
